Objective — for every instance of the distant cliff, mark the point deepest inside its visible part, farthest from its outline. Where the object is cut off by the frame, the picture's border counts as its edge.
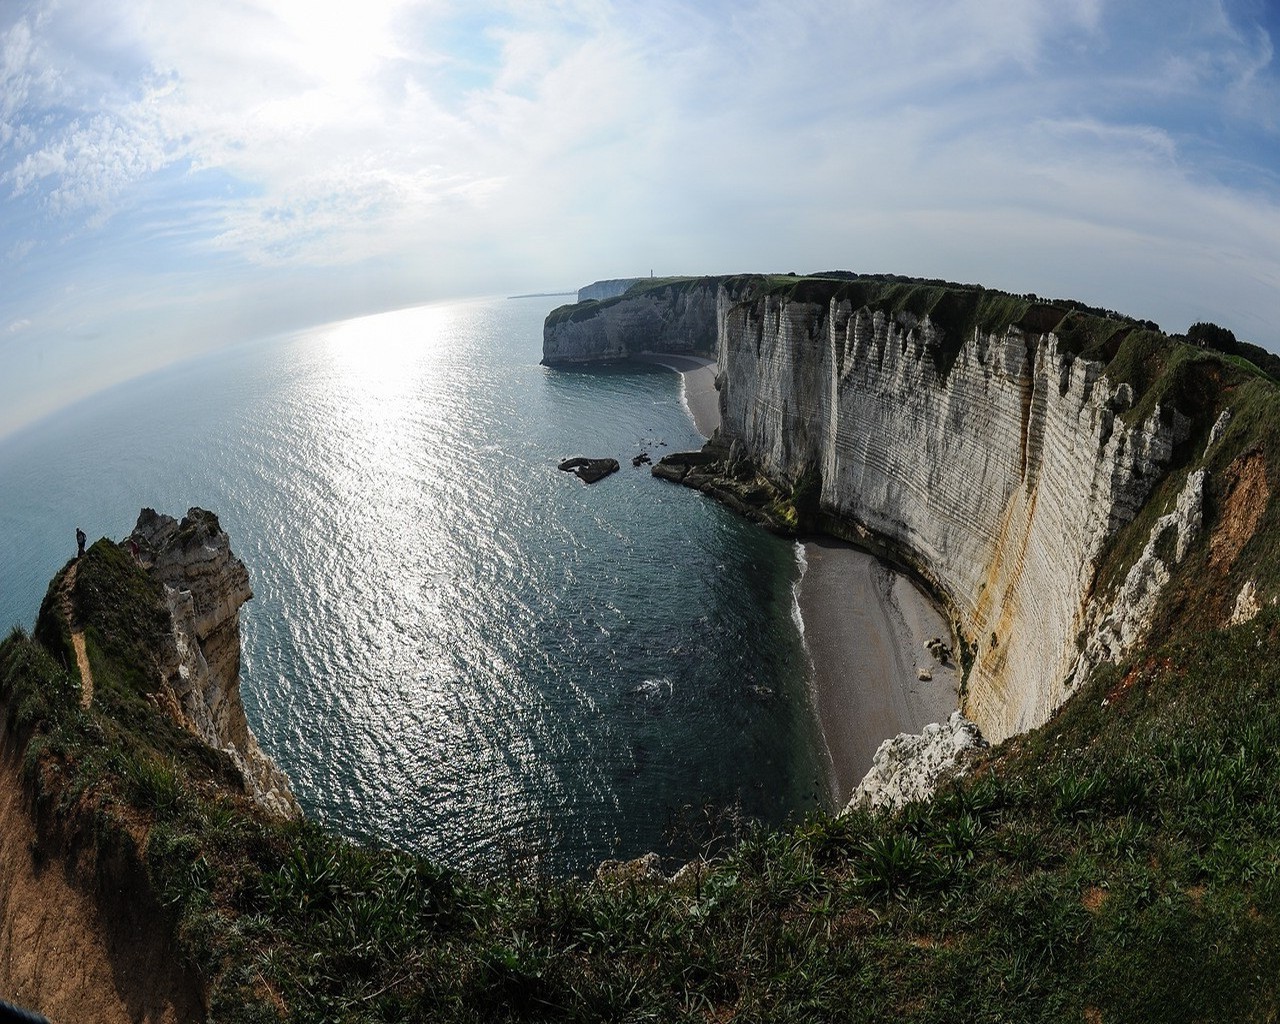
(997, 444)
(606, 289)
(654, 316)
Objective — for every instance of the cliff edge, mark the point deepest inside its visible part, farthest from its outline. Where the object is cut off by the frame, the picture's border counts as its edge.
(204, 586)
(1000, 446)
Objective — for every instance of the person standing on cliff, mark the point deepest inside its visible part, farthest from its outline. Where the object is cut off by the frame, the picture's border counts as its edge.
(80, 539)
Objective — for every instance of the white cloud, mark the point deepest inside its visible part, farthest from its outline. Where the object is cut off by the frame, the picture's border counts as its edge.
(401, 145)
(19, 250)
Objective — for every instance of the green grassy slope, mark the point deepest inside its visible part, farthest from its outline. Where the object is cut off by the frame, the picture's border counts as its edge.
(1125, 859)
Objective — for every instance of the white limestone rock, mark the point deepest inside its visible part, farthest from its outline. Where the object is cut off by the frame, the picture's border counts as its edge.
(1247, 605)
(999, 478)
(1219, 428)
(1118, 624)
(205, 585)
(909, 767)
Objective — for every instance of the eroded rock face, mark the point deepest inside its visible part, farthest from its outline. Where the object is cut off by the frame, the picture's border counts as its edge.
(1117, 626)
(676, 318)
(205, 585)
(910, 766)
(998, 477)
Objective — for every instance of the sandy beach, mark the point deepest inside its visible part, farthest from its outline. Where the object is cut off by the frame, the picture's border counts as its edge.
(700, 395)
(865, 627)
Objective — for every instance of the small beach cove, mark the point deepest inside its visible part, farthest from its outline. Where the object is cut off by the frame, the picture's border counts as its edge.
(865, 628)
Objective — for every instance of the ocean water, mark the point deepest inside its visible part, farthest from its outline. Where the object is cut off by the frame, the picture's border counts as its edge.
(453, 647)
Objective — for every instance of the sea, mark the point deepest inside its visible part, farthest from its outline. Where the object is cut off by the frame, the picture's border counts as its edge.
(453, 647)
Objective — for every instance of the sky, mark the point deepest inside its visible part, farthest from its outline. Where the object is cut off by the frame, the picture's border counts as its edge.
(179, 175)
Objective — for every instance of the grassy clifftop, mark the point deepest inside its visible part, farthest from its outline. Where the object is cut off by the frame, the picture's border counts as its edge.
(1119, 864)
(957, 310)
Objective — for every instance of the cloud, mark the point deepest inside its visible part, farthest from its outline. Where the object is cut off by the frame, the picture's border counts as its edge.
(405, 149)
(19, 250)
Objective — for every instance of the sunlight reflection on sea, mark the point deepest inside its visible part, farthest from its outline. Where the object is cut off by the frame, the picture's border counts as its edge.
(453, 646)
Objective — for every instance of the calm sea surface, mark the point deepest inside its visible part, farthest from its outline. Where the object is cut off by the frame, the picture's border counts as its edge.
(454, 647)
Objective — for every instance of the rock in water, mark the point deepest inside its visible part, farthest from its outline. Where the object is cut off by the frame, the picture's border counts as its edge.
(589, 470)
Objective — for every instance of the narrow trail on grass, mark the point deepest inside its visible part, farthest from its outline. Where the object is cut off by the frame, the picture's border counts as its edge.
(67, 607)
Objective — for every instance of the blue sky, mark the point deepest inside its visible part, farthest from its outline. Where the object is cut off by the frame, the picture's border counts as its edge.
(176, 176)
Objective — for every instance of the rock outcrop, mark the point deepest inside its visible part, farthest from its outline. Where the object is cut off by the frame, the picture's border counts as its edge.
(1114, 627)
(909, 767)
(588, 470)
(205, 585)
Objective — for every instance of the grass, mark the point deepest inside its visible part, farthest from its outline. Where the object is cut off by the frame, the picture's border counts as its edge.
(1124, 859)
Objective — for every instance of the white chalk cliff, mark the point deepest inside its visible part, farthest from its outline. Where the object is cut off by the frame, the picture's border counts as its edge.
(1000, 480)
(997, 464)
(664, 318)
(205, 585)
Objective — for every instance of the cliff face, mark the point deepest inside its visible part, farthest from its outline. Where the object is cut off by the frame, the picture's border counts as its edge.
(994, 460)
(999, 480)
(205, 585)
(83, 936)
(679, 317)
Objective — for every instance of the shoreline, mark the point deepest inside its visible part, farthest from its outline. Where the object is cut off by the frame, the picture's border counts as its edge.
(865, 627)
(698, 386)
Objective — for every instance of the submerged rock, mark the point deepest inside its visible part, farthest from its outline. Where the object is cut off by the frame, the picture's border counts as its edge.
(589, 470)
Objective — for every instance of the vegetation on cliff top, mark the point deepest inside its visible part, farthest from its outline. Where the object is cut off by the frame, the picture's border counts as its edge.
(1119, 864)
(956, 311)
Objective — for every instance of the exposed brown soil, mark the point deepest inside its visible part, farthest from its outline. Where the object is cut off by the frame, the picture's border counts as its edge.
(81, 938)
(1093, 899)
(67, 606)
(1244, 500)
